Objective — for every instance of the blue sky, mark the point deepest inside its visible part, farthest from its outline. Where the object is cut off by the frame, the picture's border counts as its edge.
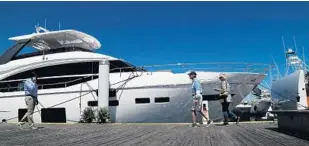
(171, 32)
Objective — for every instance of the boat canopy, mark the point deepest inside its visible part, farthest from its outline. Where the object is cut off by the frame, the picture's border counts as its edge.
(58, 39)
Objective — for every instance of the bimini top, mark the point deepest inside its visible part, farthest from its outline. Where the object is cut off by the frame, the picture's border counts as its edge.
(58, 39)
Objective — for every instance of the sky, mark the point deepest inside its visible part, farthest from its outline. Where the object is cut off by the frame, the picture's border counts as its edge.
(145, 33)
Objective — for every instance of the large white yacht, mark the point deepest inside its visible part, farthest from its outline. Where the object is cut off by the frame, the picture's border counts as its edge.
(67, 66)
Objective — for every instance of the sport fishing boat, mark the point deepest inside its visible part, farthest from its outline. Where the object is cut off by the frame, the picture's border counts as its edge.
(291, 91)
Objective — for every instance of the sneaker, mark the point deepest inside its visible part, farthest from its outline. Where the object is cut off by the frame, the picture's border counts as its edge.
(225, 123)
(33, 127)
(237, 120)
(209, 122)
(193, 125)
(20, 125)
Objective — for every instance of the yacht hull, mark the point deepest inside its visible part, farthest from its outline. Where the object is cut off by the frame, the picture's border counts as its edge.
(177, 87)
(285, 91)
(261, 108)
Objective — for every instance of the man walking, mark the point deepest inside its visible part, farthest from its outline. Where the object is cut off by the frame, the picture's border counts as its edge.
(197, 99)
(31, 89)
(225, 98)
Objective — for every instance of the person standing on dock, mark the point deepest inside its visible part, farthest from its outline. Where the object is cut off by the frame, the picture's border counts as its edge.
(197, 99)
(225, 98)
(31, 91)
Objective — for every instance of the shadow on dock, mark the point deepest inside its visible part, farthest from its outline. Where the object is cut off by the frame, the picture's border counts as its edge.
(300, 135)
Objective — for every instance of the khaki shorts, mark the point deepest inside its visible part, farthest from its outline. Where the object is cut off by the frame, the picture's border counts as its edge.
(197, 103)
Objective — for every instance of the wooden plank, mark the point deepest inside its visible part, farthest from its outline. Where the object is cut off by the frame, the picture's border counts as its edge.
(262, 134)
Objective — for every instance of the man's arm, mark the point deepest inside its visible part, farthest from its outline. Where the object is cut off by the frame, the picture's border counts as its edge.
(35, 89)
(219, 89)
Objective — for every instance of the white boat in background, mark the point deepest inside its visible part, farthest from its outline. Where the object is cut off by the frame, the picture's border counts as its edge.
(243, 110)
(67, 66)
(261, 104)
(291, 91)
(243, 107)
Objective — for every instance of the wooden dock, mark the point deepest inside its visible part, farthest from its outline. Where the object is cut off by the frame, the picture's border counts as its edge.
(244, 134)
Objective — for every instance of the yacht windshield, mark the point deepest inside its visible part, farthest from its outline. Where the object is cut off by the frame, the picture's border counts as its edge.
(52, 51)
(13, 51)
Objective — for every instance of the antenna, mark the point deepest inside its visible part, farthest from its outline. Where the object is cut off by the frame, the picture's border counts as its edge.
(59, 25)
(295, 43)
(304, 60)
(286, 60)
(37, 27)
(277, 69)
(45, 22)
(271, 79)
(283, 44)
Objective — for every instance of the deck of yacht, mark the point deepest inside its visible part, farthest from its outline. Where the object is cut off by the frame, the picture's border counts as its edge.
(263, 134)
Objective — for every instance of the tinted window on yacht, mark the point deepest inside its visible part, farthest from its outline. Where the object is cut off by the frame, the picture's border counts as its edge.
(121, 66)
(73, 69)
(24, 52)
(162, 99)
(53, 115)
(142, 100)
(112, 92)
(66, 71)
(113, 103)
(11, 52)
(29, 52)
(92, 103)
(65, 75)
(60, 70)
(21, 113)
(60, 82)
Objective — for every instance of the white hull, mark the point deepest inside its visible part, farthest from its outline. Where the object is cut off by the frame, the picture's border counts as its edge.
(242, 108)
(285, 91)
(66, 53)
(148, 85)
(261, 108)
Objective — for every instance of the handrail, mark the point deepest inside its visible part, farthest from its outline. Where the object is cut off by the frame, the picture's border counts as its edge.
(56, 61)
(178, 64)
(62, 82)
(217, 65)
(248, 67)
(207, 63)
(53, 77)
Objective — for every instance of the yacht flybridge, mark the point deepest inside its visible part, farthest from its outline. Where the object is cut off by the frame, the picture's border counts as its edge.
(67, 66)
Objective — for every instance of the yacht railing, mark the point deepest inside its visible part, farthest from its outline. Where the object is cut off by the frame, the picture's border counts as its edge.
(179, 67)
(56, 62)
(41, 86)
(52, 77)
(210, 66)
